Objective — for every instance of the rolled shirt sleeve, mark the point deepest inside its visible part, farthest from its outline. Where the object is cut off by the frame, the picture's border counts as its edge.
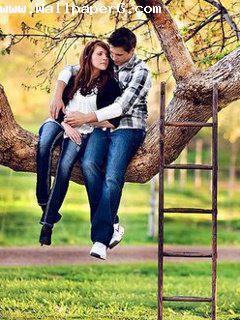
(67, 73)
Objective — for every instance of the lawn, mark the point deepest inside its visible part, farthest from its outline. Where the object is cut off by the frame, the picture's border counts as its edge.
(19, 214)
(115, 291)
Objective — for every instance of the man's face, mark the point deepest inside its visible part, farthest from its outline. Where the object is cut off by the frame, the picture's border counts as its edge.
(119, 55)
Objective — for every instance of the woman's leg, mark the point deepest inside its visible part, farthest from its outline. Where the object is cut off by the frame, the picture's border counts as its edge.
(50, 134)
(70, 153)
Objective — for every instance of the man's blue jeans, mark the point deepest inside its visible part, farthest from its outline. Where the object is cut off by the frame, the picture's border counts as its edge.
(115, 149)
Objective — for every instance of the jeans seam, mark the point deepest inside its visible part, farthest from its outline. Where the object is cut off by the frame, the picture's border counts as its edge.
(47, 207)
(50, 160)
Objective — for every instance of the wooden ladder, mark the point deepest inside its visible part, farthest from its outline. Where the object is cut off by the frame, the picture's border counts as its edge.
(213, 211)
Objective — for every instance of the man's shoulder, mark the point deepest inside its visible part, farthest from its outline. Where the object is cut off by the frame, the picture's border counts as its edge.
(139, 65)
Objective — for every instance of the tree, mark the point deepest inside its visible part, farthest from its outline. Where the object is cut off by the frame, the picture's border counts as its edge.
(191, 101)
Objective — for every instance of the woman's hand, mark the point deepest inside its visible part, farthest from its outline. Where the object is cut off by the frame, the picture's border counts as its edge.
(72, 133)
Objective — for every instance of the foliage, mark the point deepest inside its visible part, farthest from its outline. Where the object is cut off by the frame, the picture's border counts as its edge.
(210, 30)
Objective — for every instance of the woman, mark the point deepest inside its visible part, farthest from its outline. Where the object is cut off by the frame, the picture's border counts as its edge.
(93, 87)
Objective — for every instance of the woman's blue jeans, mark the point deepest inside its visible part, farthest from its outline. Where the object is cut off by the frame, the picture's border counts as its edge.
(50, 135)
(70, 153)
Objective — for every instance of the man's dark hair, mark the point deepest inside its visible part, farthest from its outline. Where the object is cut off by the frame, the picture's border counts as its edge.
(123, 37)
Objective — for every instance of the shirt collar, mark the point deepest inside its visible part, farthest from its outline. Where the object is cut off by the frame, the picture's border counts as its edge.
(127, 65)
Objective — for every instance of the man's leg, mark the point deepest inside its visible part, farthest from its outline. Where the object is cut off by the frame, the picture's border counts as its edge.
(92, 166)
(50, 134)
(123, 145)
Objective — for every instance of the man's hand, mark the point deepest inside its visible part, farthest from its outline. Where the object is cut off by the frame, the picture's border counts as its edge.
(72, 133)
(103, 124)
(75, 119)
(55, 106)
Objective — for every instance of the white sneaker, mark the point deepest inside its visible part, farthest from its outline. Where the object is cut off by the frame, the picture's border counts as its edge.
(117, 235)
(99, 250)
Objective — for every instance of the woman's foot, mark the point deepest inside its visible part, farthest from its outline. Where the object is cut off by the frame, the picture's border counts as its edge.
(99, 250)
(45, 235)
(57, 218)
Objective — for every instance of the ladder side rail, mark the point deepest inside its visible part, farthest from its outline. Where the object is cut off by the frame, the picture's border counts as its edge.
(161, 198)
(214, 197)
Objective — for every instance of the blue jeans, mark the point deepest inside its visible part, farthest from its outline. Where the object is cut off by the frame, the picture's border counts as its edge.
(115, 149)
(71, 152)
(50, 135)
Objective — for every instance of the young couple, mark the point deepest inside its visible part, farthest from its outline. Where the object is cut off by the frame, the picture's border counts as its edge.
(98, 115)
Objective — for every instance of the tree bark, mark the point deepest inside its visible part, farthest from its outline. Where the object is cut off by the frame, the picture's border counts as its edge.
(192, 101)
(172, 43)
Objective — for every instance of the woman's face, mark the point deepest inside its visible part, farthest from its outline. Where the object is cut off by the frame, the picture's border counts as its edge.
(100, 59)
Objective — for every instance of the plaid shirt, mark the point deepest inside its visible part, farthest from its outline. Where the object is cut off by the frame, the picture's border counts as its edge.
(135, 82)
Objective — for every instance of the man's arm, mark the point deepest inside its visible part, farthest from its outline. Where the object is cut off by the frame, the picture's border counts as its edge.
(57, 102)
(63, 79)
(137, 88)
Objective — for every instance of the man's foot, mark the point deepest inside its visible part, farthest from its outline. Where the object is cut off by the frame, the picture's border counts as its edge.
(45, 235)
(117, 235)
(99, 250)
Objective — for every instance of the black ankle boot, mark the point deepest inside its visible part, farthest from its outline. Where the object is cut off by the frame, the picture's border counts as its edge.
(45, 235)
(58, 218)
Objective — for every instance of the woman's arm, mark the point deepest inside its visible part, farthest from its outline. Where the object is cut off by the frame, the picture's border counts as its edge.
(72, 133)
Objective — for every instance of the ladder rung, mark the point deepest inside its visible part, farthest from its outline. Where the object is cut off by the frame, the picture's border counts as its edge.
(187, 299)
(189, 166)
(187, 210)
(187, 254)
(188, 124)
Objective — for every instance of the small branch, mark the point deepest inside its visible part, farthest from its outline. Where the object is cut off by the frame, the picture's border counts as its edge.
(35, 35)
(226, 16)
(203, 24)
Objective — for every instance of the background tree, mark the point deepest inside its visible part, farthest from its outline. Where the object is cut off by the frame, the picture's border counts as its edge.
(230, 125)
(200, 45)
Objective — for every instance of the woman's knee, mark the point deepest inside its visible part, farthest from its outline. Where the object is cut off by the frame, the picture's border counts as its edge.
(64, 167)
(49, 132)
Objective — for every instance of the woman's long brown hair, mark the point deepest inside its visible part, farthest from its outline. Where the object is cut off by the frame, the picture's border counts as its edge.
(83, 79)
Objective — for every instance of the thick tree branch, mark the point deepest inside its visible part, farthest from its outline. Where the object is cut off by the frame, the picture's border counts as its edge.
(173, 46)
(192, 101)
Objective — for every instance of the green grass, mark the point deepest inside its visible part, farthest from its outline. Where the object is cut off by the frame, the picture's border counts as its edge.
(19, 214)
(114, 291)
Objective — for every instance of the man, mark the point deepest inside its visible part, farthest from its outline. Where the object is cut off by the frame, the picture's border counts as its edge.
(112, 147)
